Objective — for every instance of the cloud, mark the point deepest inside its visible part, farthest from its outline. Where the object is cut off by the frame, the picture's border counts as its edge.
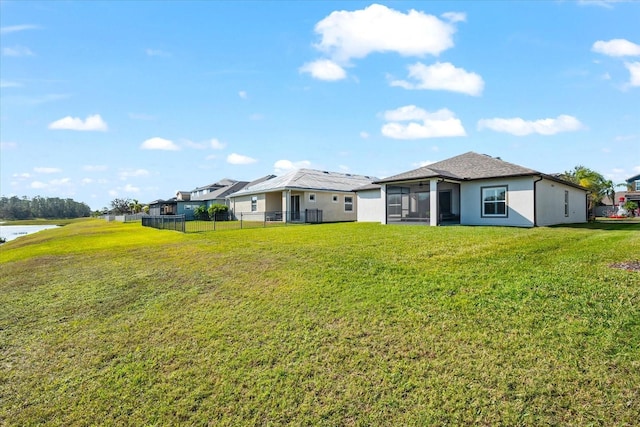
(157, 143)
(24, 175)
(217, 145)
(95, 168)
(601, 3)
(16, 51)
(131, 189)
(7, 84)
(239, 159)
(91, 123)
(16, 28)
(364, 135)
(157, 52)
(324, 69)
(422, 163)
(520, 127)
(442, 76)
(634, 71)
(616, 47)
(132, 173)
(243, 94)
(283, 166)
(47, 170)
(422, 124)
(455, 16)
(346, 35)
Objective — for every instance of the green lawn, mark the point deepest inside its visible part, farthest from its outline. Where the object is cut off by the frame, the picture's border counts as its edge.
(338, 324)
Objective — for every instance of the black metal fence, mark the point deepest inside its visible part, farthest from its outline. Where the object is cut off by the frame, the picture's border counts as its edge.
(238, 221)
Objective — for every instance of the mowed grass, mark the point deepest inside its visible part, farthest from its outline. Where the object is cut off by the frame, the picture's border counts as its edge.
(338, 324)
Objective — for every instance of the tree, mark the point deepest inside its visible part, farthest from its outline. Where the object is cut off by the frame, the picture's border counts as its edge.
(200, 213)
(121, 206)
(218, 212)
(135, 206)
(598, 186)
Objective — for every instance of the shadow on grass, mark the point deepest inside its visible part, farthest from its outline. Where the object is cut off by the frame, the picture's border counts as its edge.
(612, 225)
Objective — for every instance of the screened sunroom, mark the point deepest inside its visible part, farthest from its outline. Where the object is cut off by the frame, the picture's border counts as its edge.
(410, 202)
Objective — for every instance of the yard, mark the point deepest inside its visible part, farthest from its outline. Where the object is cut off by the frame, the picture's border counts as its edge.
(334, 324)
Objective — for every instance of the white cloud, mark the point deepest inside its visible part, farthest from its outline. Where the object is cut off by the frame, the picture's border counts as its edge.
(346, 35)
(602, 3)
(364, 135)
(157, 52)
(239, 159)
(95, 168)
(16, 28)
(131, 189)
(38, 185)
(455, 16)
(91, 123)
(217, 145)
(243, 94)
(256, 116)
(422, 163)
(133, 173)
(87, 181)
(7, 84)
(157, 143)
(24, 175)
(47, 170)
(520, 127)
(422, 124)
(634, 71)
(17, 51)
(324, 69)
(616, 47)
(442, 76)
(283, 166)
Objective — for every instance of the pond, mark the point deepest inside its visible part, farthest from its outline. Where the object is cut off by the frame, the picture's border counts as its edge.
(12, 232)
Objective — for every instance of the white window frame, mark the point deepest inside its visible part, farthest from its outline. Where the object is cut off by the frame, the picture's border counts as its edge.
(312, 197)
(348, 204)
(254, 203)
(496, 189)
(335, 198)
(638, 185)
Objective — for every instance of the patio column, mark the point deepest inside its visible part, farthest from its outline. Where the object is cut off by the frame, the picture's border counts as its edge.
(433, 201)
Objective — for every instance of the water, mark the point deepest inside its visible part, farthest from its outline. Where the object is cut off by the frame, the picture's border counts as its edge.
(12, 232)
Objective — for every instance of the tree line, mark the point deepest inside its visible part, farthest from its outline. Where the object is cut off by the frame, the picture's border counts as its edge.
(42, 207)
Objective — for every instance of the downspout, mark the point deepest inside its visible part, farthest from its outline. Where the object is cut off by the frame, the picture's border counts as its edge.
(535, 202)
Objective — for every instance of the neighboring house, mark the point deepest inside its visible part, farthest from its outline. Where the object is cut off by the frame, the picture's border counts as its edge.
(474, 189)
(633, 190)
(163, 207)
(304, 195)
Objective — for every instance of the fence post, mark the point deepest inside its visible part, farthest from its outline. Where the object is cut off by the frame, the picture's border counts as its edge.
(241, 214)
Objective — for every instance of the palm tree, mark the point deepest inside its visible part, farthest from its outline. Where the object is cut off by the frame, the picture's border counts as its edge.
(135, 206)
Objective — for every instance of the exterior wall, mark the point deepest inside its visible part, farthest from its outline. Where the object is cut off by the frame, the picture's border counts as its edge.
(187, 208)
(520, 212)
(243, 204)
(331, 211)
(273, 202)
(550, 204)
(371, 206)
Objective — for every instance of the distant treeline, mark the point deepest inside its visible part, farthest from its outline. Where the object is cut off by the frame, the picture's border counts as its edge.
(42, 207)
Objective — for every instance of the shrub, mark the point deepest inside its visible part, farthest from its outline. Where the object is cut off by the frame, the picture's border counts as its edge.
(200, 213)
(218, 212)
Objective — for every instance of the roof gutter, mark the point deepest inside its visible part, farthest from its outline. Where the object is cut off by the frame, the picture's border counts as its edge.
(535, 201)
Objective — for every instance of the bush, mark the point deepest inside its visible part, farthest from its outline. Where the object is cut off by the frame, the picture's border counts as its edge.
(218, 212)
(200, 213)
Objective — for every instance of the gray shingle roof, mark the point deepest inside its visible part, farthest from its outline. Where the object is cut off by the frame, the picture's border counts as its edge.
(467, 166)
(308, 179)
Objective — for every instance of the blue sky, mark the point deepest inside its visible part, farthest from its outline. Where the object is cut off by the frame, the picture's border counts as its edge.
(140, 99)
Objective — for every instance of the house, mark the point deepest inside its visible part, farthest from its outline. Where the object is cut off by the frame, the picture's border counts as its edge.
(473, 189)
(303, 195)
(633, 191)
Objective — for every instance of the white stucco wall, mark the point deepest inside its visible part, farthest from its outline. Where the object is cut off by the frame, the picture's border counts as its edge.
(331, 211)
(550, 204)
(371, 206)
(519, 202)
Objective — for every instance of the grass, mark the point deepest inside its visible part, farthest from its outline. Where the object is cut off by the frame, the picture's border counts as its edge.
(337, 324)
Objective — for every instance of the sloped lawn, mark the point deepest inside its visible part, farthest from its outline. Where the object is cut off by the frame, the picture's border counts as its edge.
(341, 324)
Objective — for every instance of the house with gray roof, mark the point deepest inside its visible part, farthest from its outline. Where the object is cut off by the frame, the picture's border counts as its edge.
(303, 195)
(473, 189)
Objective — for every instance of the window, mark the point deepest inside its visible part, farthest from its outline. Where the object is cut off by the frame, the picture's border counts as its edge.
(566, 203)
(348, 203)
(254, 203)
(494, 201)
(638, 185)
(312, 197)
(334, 198)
